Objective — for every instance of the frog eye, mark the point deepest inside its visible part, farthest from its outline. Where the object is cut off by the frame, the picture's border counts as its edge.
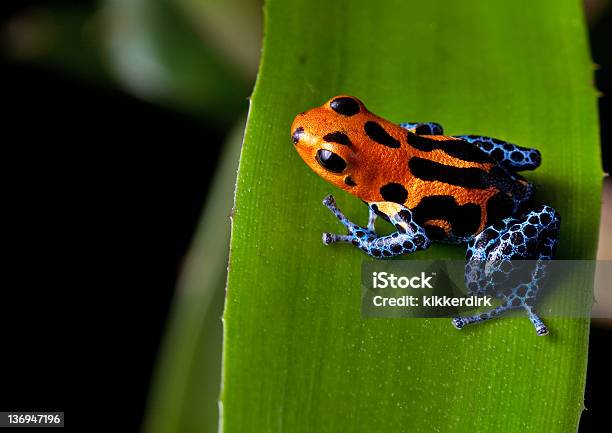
(345, 106)
(330, 161)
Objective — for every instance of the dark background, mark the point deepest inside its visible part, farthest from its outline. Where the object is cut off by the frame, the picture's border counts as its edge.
(100, 200)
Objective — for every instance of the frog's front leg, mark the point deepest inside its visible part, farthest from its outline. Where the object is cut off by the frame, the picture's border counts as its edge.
(423, 128)
(408, 238)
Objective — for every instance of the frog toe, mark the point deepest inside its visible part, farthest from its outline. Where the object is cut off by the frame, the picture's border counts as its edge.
(330, 238)
(542, 330)
(329, 201)
(459, 322)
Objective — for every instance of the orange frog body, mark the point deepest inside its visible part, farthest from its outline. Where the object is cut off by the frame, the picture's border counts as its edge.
(431, 187)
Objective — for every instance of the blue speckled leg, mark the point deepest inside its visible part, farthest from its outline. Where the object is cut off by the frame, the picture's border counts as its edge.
(409, 236)
(489, 262)
(510, 156)
(425, 128)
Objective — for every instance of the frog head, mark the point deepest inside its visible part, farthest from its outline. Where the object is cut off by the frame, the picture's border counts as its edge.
(321, 137)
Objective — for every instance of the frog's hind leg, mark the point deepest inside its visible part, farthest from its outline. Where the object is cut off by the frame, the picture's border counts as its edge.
(491, 253)
(423, 128)
(521, 296)
(409, 236)
(508, 155)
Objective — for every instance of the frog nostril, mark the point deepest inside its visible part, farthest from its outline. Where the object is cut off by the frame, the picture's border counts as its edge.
(349, 181)
(296, 135)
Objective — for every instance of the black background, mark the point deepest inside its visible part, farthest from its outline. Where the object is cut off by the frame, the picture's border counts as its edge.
(101, 193)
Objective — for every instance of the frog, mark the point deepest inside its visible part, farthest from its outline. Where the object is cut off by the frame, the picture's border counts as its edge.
(460, 189)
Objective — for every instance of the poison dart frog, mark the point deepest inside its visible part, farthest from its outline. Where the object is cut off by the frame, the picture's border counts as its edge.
(432, 187)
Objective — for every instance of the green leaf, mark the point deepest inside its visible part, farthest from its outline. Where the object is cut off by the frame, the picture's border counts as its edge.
(231, 26)
(298, 357)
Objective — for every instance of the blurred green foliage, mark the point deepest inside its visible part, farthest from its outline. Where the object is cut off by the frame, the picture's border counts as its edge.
(156, 53)
(198, 57)
(63, 37)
